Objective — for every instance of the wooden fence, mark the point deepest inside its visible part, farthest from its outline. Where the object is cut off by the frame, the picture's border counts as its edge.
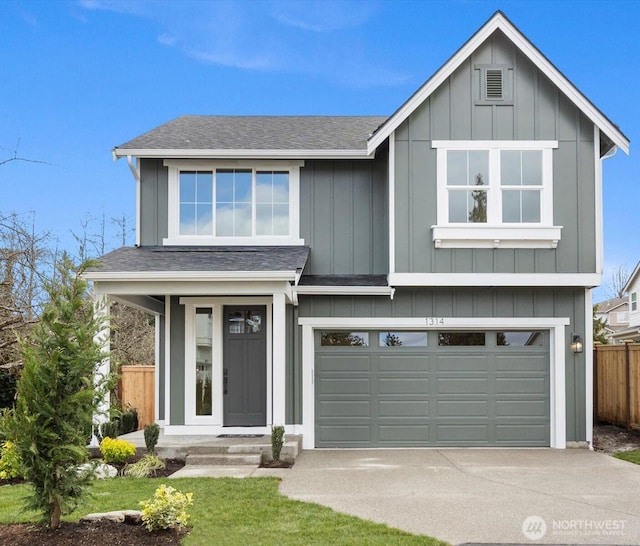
(616, 384)
(137, 386)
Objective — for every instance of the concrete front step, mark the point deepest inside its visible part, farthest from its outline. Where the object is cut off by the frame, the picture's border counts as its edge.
(215, 459)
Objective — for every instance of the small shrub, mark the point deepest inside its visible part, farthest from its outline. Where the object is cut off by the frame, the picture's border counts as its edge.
(111, 429)
(10, 462)
(277, 441)
(145, 467)
(167, 509)
(116, 451)
(151, 435)
(129, 421)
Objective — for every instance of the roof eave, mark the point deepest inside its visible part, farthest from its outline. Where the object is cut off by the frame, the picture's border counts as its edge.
(175, 153)
(500, 22)
(177, 276)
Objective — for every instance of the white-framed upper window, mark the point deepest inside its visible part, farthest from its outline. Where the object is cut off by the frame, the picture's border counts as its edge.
(243, 203)
(634, 301)
(495, 194)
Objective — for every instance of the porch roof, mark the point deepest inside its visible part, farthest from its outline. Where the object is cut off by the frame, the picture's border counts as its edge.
(189, 259)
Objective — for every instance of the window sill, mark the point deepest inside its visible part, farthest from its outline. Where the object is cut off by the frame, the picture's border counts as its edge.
(475, 236)
(231, 241)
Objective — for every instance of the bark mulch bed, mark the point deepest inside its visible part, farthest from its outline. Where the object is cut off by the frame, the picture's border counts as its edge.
(88, 534)
(92, 534)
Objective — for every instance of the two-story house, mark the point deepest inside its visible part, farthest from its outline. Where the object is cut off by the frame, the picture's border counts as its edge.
(632, 330)
(422, 279)
(614, 312)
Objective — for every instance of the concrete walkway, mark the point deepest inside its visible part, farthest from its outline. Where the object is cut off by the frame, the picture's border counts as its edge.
(572, 496)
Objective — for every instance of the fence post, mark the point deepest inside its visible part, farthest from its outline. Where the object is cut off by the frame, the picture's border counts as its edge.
(596, 410)
(628, 381)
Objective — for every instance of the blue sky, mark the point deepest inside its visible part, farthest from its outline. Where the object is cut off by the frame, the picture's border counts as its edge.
(80, 77)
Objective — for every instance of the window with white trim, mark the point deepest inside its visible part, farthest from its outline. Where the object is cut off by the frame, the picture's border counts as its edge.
(495, 194)
(244, 203)
(634, 301)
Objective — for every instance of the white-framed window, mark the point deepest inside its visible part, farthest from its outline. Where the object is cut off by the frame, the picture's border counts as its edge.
(622, 316)
(634, 301)
(239, 203)
(495, 194)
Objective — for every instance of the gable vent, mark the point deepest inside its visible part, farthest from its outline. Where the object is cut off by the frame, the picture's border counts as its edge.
(494, 87)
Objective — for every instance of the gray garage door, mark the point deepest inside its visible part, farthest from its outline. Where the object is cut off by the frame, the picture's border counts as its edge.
(397, 388)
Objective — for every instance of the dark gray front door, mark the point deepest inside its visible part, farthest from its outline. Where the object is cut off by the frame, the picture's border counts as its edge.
(245, 366)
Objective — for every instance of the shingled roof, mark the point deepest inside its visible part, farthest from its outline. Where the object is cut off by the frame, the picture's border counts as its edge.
(206, 259)
(258, 133)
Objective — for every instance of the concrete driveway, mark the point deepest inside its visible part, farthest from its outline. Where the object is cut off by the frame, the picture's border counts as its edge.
(571, 496)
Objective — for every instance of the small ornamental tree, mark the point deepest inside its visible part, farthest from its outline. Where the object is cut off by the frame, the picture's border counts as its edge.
(58, 394)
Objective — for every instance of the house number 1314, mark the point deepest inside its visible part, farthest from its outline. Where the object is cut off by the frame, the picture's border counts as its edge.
(434, 321)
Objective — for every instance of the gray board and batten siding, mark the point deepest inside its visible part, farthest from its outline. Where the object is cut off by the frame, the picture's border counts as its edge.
(343, 213)
(457, 302)
(538, 111)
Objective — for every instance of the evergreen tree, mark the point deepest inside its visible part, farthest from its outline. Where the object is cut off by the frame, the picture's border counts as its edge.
(58, 394)
(599, 324)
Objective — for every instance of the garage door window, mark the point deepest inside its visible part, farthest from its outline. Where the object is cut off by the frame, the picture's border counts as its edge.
(519, 339)
(402, 339)
(461, 339)
(344, 339)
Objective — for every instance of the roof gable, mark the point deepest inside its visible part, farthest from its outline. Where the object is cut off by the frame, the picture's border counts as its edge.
(500, 22)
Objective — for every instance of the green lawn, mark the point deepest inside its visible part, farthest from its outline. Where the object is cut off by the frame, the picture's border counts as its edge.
(631, 456)
(231, 511)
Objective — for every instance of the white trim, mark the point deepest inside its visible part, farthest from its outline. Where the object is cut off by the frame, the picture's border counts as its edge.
(599, 215)
(588, 364)
(156, 363)
(255, 276)
(494, 233)
(494, 144)
(278, 368)
(494, 279)
(344, 290)
(167, 359)
(499, 22)
(206, 240)
(217, 304)
(241, 154)
(556, 327)
(173, 202)
(505, 236)
(193, 288)
(392, 202)
(147, 304)
(135, 170)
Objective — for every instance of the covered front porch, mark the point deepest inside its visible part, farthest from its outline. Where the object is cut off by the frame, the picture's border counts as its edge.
(223, 327)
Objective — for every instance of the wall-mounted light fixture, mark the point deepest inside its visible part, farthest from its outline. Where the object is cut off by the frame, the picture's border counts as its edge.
(577, 343)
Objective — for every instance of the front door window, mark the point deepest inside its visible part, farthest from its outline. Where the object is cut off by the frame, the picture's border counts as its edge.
(204, 361)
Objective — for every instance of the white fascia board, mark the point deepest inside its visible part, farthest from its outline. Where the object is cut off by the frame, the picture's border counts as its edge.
(499, 22)
(243, 154)
(495, 279)
(192, 288)
(176, 276)
(472, 323)
(632, 278)
(345, 290)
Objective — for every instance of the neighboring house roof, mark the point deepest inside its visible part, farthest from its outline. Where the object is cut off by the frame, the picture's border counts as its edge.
(133, 263)
(632, 278)
(499, 22)
(200, 136)
(609, 305)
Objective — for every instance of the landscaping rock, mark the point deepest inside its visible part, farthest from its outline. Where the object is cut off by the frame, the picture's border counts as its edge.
(100, 470)
(131, 517)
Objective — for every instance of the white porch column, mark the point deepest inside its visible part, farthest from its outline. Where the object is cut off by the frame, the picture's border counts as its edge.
(103, 339)
(279, 359)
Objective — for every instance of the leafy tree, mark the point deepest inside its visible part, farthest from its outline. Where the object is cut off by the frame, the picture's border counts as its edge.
(58, 394)
(599, 325)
